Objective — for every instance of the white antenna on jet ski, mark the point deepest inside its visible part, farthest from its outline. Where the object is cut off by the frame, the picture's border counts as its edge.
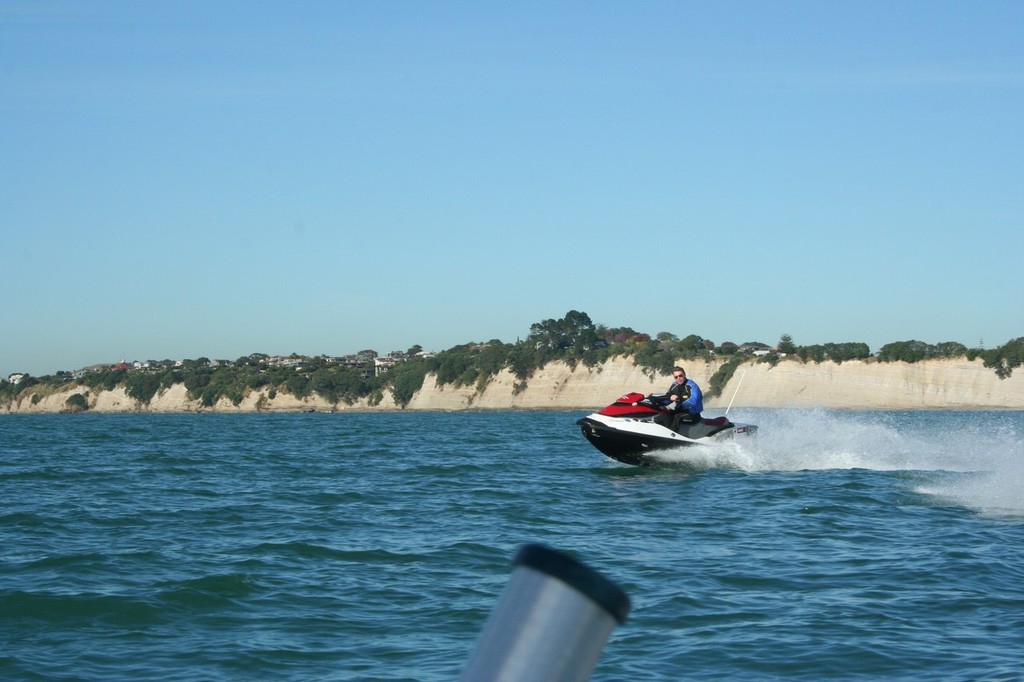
(735, 392)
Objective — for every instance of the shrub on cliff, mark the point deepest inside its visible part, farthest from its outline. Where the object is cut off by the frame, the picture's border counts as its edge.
(915, 351)
(406, 379)
(337, 384)
(76, 403)
(141, 386)
(456, 366)
(1006, 358)
(104, 380)
(9, 389)
(470, 363)
(836, 352)
(721, 377)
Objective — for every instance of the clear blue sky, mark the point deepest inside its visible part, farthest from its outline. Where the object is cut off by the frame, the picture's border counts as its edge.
(188, 179)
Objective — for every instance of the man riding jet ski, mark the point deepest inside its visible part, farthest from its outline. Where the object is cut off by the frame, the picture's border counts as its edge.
(683, 399)
(634, 426)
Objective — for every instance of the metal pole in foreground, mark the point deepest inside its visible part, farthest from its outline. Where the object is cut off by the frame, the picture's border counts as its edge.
(550, 624)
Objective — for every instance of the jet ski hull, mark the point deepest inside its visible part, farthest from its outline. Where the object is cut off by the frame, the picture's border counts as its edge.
(635, 441)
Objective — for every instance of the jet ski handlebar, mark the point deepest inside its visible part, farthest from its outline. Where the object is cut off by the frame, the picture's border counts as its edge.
(654, 399)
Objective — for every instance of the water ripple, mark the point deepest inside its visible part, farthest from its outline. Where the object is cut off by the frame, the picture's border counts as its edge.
(324, 546)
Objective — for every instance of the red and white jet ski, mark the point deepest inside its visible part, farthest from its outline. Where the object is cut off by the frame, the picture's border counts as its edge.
(634, 426)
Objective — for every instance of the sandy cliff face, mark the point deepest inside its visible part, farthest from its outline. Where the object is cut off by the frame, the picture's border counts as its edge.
(939, 384)
(936, 384)
(556, 386)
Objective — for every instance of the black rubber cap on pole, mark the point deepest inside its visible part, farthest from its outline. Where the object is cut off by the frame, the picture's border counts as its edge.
(577, 575)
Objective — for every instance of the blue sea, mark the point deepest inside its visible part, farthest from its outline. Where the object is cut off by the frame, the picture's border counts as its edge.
(835, 545)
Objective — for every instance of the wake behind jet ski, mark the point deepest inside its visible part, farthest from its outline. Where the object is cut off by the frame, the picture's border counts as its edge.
(634, 426)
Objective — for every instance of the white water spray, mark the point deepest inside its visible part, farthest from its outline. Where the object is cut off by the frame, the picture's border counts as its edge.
(985, 450)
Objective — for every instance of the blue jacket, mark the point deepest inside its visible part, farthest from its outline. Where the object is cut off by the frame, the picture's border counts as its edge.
(694, 403)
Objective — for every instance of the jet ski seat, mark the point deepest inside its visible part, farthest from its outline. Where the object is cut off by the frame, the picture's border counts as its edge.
(705, 427)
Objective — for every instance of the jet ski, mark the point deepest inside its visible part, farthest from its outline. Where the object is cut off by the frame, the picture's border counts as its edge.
(635, 426)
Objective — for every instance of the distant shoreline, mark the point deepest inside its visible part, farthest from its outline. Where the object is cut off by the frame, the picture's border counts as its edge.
(947, 384)
(713, 412)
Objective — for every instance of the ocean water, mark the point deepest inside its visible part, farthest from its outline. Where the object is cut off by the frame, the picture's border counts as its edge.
(838, 545)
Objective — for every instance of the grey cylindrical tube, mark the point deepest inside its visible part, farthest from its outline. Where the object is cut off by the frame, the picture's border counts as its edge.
(551, 622)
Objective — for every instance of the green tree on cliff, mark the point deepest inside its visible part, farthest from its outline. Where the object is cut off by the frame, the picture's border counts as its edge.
(1006, 358)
